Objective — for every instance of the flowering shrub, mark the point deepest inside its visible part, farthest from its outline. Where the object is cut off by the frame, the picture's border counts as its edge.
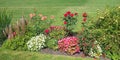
(85, 43)
(39, 22)
(69, 45)
(88, 43)
(56, 32)
(70, 20)
(106, 30)
(36, 43)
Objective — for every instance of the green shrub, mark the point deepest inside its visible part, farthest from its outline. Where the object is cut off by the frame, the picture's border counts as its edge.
(5, 19)
(52, 44)
(107, 31)
(17, 43)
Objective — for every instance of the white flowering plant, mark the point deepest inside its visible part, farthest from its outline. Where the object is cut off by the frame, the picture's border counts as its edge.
(96, 51)
(36, 43)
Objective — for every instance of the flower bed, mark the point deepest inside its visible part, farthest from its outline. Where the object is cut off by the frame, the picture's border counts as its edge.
(35, 35)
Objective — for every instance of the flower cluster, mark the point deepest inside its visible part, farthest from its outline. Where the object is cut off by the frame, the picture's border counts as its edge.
(40, 16)
(36, 43)
(69, 45)
(32, 15)
(96, 51)
(70, 19)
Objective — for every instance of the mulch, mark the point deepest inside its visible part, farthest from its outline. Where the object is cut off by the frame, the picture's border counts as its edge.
(56, 52)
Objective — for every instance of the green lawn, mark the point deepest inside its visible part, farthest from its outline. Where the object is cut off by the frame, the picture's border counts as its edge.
(25, 55)
(56, 7)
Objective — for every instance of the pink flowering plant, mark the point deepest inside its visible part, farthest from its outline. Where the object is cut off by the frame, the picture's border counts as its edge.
(69, 45)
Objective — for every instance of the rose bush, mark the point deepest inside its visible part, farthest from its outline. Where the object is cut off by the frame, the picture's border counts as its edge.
(88, 42)
(70, 20)
(39, 21)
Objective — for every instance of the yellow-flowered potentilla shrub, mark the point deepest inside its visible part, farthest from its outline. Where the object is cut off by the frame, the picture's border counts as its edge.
(36, 43)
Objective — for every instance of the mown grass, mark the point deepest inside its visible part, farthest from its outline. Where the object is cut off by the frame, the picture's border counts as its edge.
(55, 7)
(40, 3)
(25, 55)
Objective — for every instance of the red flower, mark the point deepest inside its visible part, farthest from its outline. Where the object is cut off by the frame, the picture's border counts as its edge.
(71, 15)
(65, 22)
(65, 15)
(76, 13)
(84, 19)
(68, 12)
(47, 31)
(84, 14)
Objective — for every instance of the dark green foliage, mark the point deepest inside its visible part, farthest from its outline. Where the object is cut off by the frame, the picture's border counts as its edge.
(107, 31)
(5, 19)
